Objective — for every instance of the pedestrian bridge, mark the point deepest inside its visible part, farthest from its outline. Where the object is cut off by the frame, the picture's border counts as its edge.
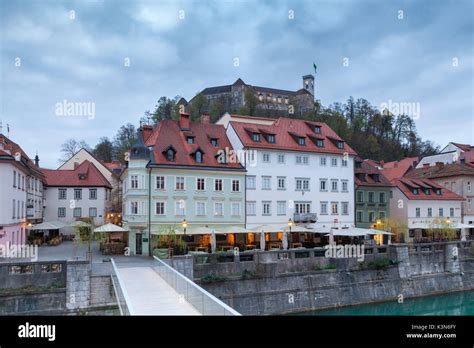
(159, 289)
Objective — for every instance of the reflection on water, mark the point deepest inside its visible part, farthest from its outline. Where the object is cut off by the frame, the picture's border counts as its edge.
(459, 303)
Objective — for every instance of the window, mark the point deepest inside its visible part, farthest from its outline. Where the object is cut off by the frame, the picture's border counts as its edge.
(301, 141)
(198, 156)
(281, 180)
(430, 212)
(371, 197)
(170, 155)
(266, 158)
(92, 193)
(251, 182)
(359, 216)
(417, 212)
(302, 184)
(77, 194)
(344, 162)
(217, 184)
(334, 185)
(324, 208)
(323, 185)
(334, 162)
(371, 216)
(266, 183)
(201, 208)
(381, 197)
(235, 208)
(345, 208)
(62, 194)
(134, 208)
(469, 204)
(340, 144)
(281, 158)
(77, 212)
(302, 160)
(415, 191)
(438, 192)
(281, 207)
(256, 137)
(218, 208)
(134, 181)
(179, 183)
(440, 212)
(235, 185)
(271, 138)
(266, 208)
(61, 212)
(214, 142)
(14, 178)
(382, 215)
(23, 182)
(200, 184)
(302, 207)
(92, 212)
(160, 208)
(317, 129)
(451, 212)
(160, 182)
(14, 207)
(319, 142)
(251, 208)
(190, 140)
(180, 207)
(334, 206)
(322, 161)
(345, 186)
(469, 186)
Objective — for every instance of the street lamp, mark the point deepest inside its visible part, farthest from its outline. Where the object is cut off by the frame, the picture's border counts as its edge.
(448, 221)
(185, 225)
(290, 223)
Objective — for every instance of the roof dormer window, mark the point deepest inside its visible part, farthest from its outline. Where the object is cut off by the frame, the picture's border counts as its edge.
(427, 191)
(301, 141)
(317, 129)
(190, 140)
(415, 191)
(198, 156)
(170, 154)
(214, 142)
(271, 138)
(256, 137)
(376, 177)
(320, 143)
(438, 192)
(340, 144)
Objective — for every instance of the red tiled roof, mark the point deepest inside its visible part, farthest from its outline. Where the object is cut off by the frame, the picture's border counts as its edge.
(407, 185)
(71, 177)
(11, 148)
(464, 147)
(397, 169)
(115, 164)
(169, 134)
(441, 171)
(371, 173)
(285, 130)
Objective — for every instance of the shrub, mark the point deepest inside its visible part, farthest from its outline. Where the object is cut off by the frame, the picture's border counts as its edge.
(211, 278)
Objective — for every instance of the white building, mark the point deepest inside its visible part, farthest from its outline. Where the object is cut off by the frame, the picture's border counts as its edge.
(21, 192)
(77, 193)
(451, 153)
(296, 169)
(424, 205)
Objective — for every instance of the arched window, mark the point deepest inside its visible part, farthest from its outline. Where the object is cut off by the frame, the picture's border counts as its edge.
(170, 155)
(198, 156)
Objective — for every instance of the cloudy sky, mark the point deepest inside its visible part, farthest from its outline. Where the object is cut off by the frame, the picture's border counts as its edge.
(120, 56)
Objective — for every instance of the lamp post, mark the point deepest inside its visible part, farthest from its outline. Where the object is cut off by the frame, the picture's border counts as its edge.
(290, 223)
(185, 225)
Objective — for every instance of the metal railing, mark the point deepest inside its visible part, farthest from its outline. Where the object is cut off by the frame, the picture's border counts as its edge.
(123, 300)
(203, 301)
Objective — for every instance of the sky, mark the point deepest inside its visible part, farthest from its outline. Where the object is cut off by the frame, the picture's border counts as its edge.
(116, 58)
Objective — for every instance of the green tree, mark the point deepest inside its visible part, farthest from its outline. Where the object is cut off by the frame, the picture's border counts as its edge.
(104, 150)
(198, 106)
(123, 141)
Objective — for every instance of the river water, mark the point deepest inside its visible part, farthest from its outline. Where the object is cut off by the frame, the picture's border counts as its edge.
(458, 303)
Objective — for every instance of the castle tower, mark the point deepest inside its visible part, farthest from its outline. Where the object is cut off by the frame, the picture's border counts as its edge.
(308, 83)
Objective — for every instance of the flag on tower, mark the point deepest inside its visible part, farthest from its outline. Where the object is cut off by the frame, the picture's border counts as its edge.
(315, 68)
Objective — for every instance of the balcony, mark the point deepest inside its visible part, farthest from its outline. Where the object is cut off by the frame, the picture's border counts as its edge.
(305, 217)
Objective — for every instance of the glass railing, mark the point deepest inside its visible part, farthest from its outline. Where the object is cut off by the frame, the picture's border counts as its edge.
(123, 301)
(204, 302)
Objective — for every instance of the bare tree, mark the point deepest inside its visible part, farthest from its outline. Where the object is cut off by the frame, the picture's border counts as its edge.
(70, 147)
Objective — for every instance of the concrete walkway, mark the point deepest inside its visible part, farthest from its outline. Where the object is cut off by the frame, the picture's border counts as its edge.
(151, 295)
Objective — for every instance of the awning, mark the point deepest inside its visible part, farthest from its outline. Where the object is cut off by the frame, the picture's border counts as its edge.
(110, 228)
(44, 226)
(358, 232)
(463, 226)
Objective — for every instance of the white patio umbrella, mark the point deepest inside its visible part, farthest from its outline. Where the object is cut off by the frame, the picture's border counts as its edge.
(110, 228)
(80, 224)
(213, 242)
(44, 226)
(285, 241)
(331, 237)
(262, 240)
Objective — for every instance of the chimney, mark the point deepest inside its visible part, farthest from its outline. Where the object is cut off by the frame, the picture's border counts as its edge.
(76, 164)
(205, 118)
(184, 121)
(381, 163)
(37, 160)
(146, 131)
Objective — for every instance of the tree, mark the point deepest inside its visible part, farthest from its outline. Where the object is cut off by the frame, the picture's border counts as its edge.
(251, 102)
(218, 108)
(165, 109)
(70, 147)
(198, 105)
(104, 150)
(123, 141)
